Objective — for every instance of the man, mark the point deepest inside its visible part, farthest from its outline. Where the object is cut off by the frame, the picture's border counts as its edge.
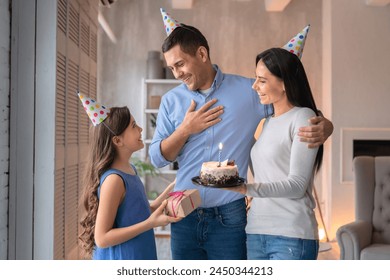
(209, 108)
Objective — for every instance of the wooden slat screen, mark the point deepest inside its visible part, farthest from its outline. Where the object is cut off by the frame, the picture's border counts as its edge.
(60, 99)
(61, 14)
(76, 70)
(93, 86)
(73, 103)
(84, 37)
(94, 46)
(84, 120)
(71, 211)
(73, 20)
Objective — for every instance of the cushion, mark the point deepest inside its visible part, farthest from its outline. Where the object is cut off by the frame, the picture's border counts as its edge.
(376, 252)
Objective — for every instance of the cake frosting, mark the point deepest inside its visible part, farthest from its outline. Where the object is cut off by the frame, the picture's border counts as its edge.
(213, 174)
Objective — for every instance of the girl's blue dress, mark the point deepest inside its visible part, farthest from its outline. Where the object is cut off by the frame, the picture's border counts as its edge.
(134, 208)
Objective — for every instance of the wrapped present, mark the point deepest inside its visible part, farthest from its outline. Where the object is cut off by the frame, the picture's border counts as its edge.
(182, 203)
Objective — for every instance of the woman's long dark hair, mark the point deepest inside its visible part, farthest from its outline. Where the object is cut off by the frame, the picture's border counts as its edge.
(288, 67)
(101, 156)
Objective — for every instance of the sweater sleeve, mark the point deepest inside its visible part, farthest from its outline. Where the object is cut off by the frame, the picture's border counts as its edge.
(301, 168)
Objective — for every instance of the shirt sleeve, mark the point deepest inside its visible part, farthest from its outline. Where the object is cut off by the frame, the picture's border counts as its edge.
(164, 128)
(301, 171)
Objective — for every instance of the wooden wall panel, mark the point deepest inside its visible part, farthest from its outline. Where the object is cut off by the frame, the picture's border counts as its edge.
(76, 71)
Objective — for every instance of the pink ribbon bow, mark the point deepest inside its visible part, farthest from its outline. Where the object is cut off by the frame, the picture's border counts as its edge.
(178, 196)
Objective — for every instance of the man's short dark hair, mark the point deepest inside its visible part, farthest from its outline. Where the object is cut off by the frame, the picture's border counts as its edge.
(188, 38)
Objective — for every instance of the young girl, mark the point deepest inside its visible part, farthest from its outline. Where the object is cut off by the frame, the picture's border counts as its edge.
(118, 223)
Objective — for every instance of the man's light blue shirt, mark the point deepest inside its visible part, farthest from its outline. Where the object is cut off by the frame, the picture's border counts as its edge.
(242, 114)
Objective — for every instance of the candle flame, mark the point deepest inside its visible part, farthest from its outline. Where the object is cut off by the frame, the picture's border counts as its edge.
(220, 146)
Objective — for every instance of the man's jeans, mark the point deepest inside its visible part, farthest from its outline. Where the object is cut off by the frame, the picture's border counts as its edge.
(211, 233)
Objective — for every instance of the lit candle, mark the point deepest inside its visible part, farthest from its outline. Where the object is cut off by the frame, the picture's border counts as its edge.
(220, 146)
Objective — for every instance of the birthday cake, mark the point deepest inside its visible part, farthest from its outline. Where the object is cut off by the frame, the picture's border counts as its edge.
(213, 173)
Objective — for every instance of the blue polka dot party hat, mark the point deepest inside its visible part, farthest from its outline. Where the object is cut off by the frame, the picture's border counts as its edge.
(96, 112)
(297, 43)
(169, 23)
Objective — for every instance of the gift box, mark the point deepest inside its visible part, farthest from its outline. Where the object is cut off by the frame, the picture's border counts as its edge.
(182, 203)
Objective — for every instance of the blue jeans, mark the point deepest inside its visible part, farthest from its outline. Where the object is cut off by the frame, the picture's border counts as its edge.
(211, 233)
(276, 247)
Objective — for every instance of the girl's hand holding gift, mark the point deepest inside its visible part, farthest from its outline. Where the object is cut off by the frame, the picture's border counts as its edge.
(160, 218)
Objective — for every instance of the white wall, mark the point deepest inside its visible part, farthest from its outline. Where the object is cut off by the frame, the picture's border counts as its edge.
(356, 87)
(4, 124)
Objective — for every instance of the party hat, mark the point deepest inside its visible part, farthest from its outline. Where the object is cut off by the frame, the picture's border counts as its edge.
(96, 112)
(169, 23)
(296, 44)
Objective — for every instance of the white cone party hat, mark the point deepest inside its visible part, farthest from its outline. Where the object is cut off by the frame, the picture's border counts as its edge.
(297, 43)
(96, 112)
(169, 23)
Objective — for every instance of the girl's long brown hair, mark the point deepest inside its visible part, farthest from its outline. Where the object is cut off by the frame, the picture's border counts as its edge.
(100, 157)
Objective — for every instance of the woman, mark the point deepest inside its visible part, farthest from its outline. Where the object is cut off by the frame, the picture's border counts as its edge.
(281, 220)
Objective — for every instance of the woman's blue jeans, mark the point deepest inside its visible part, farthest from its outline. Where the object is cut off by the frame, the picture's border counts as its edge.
(215, 233)
(275, 247)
